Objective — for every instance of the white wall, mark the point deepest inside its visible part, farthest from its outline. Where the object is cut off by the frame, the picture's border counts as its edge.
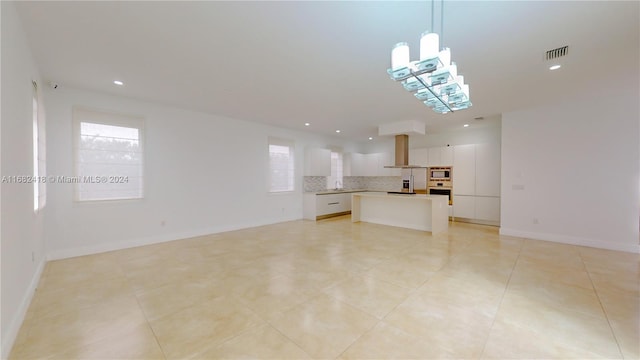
(484, 131)
(480, 132)
(203, 174)
(21, 229)
(578, 161)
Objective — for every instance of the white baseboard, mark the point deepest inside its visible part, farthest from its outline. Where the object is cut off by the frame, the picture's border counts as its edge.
(12, 333)
(572, 240)
(156, 239)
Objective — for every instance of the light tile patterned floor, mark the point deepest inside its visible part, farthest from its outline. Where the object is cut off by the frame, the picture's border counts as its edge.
(334, 289)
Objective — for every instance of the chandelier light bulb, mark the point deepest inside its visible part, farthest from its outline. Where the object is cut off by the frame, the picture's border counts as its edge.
(453, 70)
(400, 56)
(429, 45)
(433, 78)
(445, 57)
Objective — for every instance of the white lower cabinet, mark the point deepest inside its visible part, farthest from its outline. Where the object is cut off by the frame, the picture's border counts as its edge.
(316, 205)
(464, 206)
(488, 208)
(483, 208)
(332, 203)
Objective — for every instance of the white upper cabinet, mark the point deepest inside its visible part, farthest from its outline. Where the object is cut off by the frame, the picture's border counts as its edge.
(464, 170)
(419, 157)
(440, 156)
(446, 155)
(388, 159)
(317, 162)
(384, 159)
(488, 169)
(371, 162)
(353, 164)
(433, 157)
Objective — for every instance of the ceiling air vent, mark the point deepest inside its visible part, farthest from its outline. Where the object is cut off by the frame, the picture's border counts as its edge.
(556, 53)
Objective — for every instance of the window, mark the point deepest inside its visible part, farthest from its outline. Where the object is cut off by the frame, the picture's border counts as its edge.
(39, 153)
(108, 154)
(281, 165)
(335, 180)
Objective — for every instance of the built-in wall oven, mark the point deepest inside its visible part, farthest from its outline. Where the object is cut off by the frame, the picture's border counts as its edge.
(439, 181)
(442, 191)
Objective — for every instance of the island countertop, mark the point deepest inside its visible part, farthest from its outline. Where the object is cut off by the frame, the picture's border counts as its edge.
(416, 196)
(413, 211)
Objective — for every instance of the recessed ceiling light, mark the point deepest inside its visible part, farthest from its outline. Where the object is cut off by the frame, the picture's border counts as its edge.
(555, 67)
(306, 124)
(466, 125)
(337, 131)
(118, 82)
(370, 138)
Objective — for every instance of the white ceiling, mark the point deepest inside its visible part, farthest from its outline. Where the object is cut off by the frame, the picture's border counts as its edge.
(287, 63)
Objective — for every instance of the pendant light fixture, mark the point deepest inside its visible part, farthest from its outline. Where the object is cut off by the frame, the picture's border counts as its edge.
(433, 78)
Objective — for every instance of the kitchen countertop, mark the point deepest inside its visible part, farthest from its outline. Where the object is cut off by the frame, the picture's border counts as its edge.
(341, 191)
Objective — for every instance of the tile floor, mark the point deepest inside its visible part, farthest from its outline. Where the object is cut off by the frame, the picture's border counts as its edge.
(334, 289)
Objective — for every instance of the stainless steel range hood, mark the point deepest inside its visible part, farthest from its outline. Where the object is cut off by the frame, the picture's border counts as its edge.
(402, 154)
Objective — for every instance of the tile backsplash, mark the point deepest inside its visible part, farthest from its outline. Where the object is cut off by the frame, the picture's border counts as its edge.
(382, 183)
(355, 182)
(315, 183)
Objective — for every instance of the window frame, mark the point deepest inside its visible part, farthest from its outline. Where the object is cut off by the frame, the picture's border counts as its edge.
(331, 179)
(292, 162)
(39, 150)
(115, 119)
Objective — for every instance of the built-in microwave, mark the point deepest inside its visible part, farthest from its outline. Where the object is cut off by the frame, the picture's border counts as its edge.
(440, 173)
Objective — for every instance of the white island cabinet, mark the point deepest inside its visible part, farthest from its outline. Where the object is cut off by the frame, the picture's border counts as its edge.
(419, 212)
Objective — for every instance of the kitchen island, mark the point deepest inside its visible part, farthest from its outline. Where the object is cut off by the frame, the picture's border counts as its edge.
(419, 212)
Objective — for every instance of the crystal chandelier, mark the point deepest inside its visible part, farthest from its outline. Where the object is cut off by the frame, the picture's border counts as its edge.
(434, 78)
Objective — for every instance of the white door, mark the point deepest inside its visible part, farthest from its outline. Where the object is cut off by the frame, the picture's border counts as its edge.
(488, 169)
(464, 170)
